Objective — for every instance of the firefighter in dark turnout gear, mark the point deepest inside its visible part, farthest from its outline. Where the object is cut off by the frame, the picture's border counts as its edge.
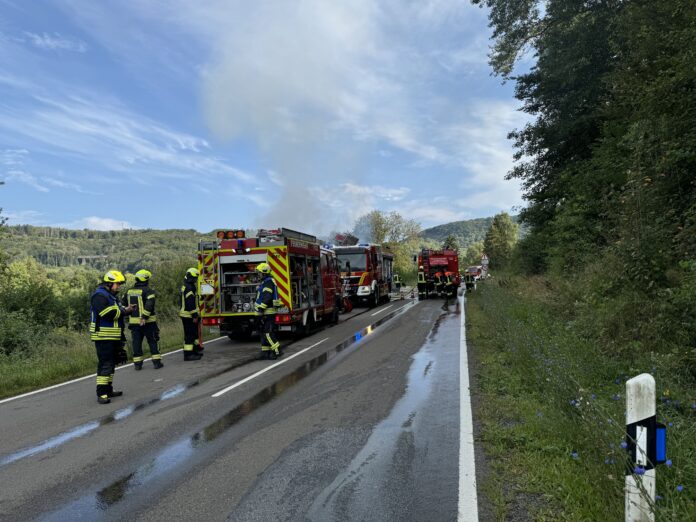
(265, 305)
(422, 284)
(143, 322)
(106, 330)
(189, 315)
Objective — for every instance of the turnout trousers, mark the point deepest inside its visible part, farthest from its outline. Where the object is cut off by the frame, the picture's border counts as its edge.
(269, 340)
(190, 336)
(106, 365)
(149, 331)
(422, 291)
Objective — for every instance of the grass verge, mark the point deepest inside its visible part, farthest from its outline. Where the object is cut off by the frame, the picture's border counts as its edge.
(552, 411)
(66, 355)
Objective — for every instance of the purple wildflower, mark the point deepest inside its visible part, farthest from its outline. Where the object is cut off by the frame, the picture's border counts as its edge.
(668, 463)
(680, 488)
(624, 444)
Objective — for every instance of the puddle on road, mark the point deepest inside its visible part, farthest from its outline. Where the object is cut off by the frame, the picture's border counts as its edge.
(359, 489)
(118, 415)
(94, 505)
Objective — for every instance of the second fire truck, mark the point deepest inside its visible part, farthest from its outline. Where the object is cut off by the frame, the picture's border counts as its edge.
(366, 270)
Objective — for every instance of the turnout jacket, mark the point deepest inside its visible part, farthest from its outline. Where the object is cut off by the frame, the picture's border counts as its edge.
(106, 316)
(144, 297)
(189, 304)
(267, 297)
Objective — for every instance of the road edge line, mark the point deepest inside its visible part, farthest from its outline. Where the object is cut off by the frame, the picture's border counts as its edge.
(468, 503)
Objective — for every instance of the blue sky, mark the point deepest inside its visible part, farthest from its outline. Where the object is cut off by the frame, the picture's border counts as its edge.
(215, 114)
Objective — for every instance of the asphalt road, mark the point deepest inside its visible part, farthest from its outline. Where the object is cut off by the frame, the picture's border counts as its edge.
(359, 421)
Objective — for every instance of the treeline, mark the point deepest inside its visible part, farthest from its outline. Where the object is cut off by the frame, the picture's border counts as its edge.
(126, 249)
(38, 302)
(608, 164)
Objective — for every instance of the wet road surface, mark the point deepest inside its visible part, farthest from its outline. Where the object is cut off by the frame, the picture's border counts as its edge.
(360, 423)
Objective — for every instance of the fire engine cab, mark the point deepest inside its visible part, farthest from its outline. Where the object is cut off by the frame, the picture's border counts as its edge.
(366, 271)
(307, 277)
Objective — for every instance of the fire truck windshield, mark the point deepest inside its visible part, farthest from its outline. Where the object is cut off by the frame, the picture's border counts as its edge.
(357, 262)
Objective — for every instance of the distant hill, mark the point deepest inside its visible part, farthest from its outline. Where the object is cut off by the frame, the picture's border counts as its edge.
(124, 249)
(467, 232)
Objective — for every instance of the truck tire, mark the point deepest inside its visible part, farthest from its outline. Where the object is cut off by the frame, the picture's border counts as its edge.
(374, 299)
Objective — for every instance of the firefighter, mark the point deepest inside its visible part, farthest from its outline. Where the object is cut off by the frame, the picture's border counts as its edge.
(106, 330)
(422, 284)
(143, 322)
(448, 284)
(189, 316)
(438, 283)
(265, 305)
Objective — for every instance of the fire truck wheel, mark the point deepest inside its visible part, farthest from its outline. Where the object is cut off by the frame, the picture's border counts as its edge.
(374, 300)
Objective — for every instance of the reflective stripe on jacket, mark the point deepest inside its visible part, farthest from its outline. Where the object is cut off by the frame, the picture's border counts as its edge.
(144, 297)
(189, 306)
(106, 323)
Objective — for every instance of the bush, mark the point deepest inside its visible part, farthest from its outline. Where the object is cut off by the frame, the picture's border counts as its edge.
(20, 334)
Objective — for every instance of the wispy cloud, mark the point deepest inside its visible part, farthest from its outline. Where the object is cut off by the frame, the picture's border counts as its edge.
(105, 133)
(55, 42)
(98, 223)
(15, 160)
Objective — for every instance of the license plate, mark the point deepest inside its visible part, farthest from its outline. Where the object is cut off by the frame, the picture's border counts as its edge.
(285, 328)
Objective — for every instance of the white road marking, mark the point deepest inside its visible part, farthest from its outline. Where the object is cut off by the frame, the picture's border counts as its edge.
(268, 368)
(382, 310)
(468, 506)
(92, 375)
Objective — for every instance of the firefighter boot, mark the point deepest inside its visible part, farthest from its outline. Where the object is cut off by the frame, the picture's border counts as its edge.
(198, 348)
(138, 365)
(157, 364)
(113, 393)
(103, 399)
(192, 356)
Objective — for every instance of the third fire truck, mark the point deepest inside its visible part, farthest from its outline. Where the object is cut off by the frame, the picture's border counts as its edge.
(307, 277)
(366, 270)
(440, 261)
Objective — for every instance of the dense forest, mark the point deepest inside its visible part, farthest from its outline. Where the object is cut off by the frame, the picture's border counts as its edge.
(608, 165)
(126, 249)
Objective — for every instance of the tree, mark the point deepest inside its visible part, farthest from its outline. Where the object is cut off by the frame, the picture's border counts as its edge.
(380, 227)
(472, 254)
(500, 240)
(451, 243)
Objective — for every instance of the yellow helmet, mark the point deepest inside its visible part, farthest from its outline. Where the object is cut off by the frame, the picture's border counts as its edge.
(114, 276)
(193, 272)
(143, 275)
(264, 268)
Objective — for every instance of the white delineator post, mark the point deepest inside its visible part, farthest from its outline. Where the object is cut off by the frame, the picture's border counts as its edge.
(640, 489)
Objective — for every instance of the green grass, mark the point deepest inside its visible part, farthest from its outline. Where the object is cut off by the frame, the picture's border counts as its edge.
(66, 355)
(552, 411)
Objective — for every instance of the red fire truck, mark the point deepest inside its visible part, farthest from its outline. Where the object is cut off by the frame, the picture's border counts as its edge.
(366, 271)
(306, 274)
(434, 261)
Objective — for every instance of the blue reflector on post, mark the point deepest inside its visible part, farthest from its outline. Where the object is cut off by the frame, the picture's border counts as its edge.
(660, 444)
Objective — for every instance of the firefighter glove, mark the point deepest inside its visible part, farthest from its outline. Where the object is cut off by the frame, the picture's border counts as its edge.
(121, 356)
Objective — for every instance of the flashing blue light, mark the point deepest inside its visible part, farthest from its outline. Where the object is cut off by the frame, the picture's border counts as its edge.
(363, 244)
(328, 246)
(357, 336)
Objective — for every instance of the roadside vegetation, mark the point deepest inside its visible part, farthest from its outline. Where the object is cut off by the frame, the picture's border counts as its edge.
(552, 408)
